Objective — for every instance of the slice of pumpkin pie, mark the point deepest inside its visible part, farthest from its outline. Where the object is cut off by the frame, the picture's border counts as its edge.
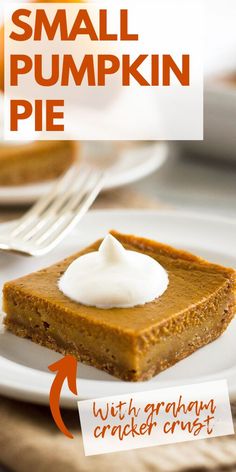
(36, 161)
(133, 342)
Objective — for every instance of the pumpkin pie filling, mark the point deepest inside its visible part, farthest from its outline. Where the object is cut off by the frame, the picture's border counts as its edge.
(34, 162)
(131, 343)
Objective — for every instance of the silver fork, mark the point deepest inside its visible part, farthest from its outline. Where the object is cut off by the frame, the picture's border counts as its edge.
(53, 217)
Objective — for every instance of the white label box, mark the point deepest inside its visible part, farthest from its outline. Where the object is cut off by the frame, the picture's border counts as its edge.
(156, 417)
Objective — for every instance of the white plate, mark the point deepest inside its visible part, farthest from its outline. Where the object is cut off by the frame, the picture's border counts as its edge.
(23, 364)
(132, 164)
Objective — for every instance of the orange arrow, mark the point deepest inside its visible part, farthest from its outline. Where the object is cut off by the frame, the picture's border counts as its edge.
(66, 369)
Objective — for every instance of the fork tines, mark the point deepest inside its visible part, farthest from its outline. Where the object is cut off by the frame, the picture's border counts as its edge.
(56, 214)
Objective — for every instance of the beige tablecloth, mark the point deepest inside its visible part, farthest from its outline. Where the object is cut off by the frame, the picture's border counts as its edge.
(29, 440)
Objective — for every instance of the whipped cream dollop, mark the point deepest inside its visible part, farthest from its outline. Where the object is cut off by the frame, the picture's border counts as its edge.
(114, 277)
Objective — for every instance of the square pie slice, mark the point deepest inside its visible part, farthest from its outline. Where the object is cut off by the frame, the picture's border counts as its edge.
(130, 343)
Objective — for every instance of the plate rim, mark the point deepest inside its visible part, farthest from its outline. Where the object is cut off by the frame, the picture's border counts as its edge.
(197, 215)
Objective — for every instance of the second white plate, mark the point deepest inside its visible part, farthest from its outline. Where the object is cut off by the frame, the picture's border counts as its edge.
(131, 165)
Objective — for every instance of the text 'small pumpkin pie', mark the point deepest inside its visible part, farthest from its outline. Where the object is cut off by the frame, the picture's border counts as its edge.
(130, 343)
